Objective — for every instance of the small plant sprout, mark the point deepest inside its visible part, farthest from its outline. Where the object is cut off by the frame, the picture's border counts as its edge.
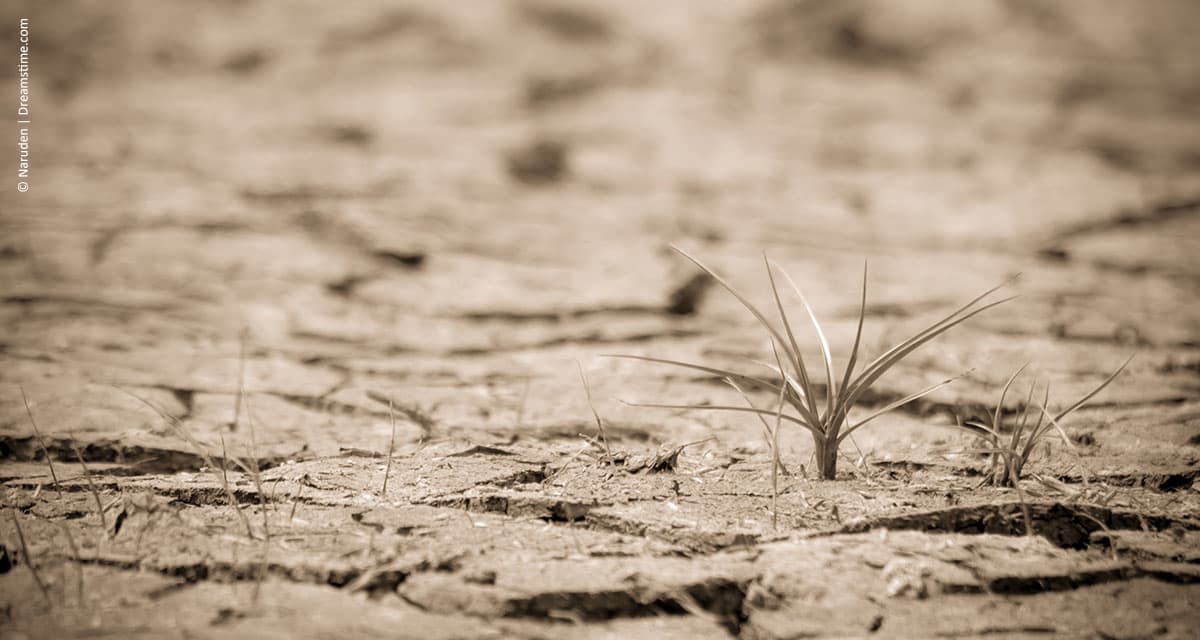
(1009, 453)
(41, 441)
(823, 412)
(387, 471)
(182, 433)
(587, 390)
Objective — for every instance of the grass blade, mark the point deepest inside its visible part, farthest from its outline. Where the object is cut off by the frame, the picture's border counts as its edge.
(1037, 429)
(862, 314)
(387, 471)
(1023, 420)
(722, 373)
(975, 426)
(1070, 445)
(742, 299)
(767, 434)
(41, 441)
(830, 390)
(800, 394)
(776, 463)
(717, 407)
(886, 361)
(1090, 395)
(1058, 427)
(797, 359)
(896, 405)
(182, 433)
(587, 390)
(1003, 394)
(770, 435)
(934, 329)
(28, 559)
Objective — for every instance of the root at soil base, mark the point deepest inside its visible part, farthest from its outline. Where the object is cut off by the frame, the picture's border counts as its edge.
(827, 458)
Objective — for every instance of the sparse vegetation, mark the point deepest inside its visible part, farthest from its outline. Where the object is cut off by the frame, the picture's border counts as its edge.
(587, 390)
(37, 433)
(824, 413)
(217, 471)
(1010, 446)
(28, 560)
(387, 471)
(419, 216)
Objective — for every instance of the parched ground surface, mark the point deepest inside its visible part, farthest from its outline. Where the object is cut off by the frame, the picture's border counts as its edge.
(445, 206)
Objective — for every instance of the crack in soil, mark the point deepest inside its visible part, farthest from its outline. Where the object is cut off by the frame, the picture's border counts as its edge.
(720, 597)
(1160, 211)
(518, 506)
(371, 579)
(1064, 525)
(589, 338)
(514, 315)
(136, 459)
(1078, 579)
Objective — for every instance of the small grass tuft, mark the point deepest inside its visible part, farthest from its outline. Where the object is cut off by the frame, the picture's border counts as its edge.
(218, 471)
(587, 390)
(1010, 453)
(825, 414)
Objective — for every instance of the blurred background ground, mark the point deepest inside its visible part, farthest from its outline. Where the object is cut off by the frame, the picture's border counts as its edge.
(470, 195)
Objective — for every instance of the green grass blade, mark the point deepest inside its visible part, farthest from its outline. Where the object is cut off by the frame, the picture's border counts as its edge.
(718, 407)
(1093, 392)
(830, 390)
(896, 405)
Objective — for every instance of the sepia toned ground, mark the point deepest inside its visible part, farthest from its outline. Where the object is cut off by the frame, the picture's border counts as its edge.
(253, 225)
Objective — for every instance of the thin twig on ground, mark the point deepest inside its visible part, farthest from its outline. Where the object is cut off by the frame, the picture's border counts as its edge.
(599, 423)
(37, 577)
(41, 441)
(87, 476)
(387, 471)
(237, 405)
(66, 531)
(521, 407)
(419, 416)
(184, 435)
(775, 463)
(255, 472)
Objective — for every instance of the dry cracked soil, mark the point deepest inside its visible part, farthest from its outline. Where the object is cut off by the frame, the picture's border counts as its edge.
(293, 310)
